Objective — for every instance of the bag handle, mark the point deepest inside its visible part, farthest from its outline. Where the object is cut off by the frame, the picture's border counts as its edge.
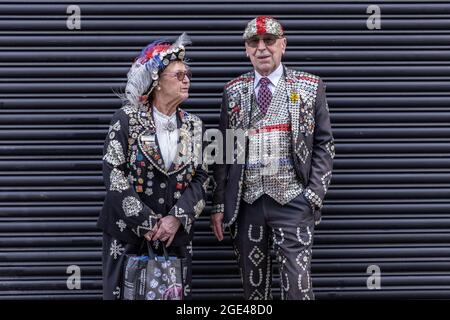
(166, 255)
(151, 253)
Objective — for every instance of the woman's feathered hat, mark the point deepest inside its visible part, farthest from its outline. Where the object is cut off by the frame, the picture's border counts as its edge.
(144, 73)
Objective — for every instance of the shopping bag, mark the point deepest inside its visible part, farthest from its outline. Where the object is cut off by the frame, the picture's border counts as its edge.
(153, 277)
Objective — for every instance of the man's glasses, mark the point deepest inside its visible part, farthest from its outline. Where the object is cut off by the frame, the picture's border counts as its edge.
(268, 41)
(180, 74)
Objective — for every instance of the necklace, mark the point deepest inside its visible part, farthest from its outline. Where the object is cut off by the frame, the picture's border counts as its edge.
(169, 126)
(167, 122)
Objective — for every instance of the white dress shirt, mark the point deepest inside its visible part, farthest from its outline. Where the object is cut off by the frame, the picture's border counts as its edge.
(167, 139)
(274, 77)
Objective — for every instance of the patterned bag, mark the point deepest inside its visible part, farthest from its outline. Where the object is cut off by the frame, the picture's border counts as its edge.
(153, 277)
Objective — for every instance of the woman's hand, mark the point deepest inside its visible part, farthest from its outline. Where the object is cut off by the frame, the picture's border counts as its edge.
(149, 234)
(166, 229)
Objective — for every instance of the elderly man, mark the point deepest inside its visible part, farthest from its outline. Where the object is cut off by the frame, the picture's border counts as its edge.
(277, 193)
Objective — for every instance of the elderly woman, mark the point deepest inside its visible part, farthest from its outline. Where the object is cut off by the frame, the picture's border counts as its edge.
(152, 169)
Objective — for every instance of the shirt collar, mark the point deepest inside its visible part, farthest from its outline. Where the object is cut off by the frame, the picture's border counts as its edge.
(162, 117)
(274, 77)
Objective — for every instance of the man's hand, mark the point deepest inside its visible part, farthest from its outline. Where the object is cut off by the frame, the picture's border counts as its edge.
(166, 229)
(216, 224)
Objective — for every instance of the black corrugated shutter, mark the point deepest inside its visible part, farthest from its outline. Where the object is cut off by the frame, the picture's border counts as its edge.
(389, 98)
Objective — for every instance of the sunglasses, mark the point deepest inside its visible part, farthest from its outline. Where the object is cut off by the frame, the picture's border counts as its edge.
(268, 41)
(179, 74)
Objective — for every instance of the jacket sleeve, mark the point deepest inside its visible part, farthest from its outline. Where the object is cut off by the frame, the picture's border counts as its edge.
(220, 170)
(322, 152)
(193, 200)
(121, 199)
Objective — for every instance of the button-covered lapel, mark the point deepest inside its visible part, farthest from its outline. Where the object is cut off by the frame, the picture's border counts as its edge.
(294, 104)
(184, 144)
(240, 95)
(147, 140)
(247, 99)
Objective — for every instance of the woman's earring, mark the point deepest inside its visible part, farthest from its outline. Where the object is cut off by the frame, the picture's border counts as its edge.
(158, 88)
